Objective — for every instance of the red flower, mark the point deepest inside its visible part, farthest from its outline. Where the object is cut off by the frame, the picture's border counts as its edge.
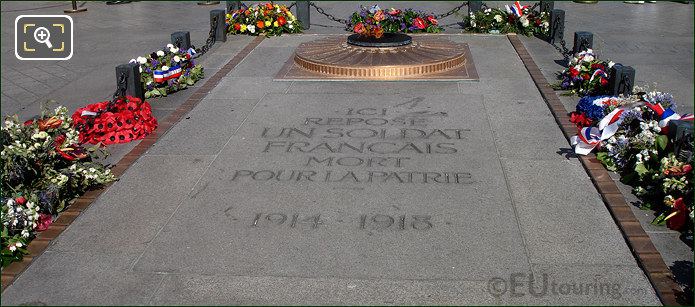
(269, 5)
(65, 155)
(378, 32)
(598, 66)
(21, 200)
(574, 72)
(237, 27)
(44, 221)
(432, 20)
(260, 24)
(419, 23)
(394, 12)
(678, 217)
(359, 28)
(109, 138)
(676, 171)
(604, 81)
(538, 22)
(282, 21)
(129, 119)
(585, 76)
(580, 119)
(28, 122)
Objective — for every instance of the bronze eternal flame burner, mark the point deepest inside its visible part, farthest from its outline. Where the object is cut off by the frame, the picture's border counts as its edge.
(396, 56)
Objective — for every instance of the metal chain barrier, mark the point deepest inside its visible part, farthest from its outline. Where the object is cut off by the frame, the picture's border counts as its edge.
(534, 6)
(210, 41)
(329, 16)
(624, 83)
(452, 11)
(564, 51)
(120, 89)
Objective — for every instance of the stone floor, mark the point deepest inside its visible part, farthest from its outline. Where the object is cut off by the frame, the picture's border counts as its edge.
(194, 222)
(205, 224)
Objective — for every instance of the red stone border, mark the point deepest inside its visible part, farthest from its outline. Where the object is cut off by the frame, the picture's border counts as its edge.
(43, 239)
(637, 239)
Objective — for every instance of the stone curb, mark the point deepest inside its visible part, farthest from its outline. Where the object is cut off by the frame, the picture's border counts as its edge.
(638, 240)
(43, 239)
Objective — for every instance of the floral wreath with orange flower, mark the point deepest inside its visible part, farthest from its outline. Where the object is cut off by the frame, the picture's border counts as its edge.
(374, 22)
(268, 19)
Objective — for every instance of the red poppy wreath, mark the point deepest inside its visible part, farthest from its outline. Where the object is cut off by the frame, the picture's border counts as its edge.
(128, 119)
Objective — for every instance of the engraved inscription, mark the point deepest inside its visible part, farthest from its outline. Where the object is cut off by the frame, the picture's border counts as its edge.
(371, 140)
(277, 220)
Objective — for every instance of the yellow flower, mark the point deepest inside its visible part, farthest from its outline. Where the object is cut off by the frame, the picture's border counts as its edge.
(243, 28)
(275, 24)
(267, 23)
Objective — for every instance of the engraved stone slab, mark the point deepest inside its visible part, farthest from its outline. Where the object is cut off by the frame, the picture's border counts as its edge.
(349, 186)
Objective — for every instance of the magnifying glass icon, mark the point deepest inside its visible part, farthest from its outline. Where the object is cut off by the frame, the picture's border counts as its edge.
(42, 36)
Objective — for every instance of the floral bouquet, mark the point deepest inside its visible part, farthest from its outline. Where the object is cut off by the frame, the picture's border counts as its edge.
(638, 148)
(166, 71)
(269, 19)
(44, 166)
(374, 22)
(128, 119)
(518, 19)
(591, 109)
(585, 75)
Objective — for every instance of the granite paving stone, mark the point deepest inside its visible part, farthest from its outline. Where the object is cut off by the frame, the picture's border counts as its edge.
(82, 278)
(207, 127)
(138, 205)
(551, 221)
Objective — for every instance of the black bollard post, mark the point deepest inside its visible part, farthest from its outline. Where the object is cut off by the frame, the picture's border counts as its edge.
(474, 6)
(75, 9)
(217, 16)
(680, 132)
(181, 40)
(557, 26)
(621, 80)
(547, 6)
(233, 5)
(133, 84)
(582, 41)
(303, 14)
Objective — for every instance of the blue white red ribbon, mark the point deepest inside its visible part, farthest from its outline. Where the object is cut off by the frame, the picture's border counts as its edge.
(597, 72)
(164, 75)
(586, 140)
(610, 123)
(666, 115)
(589, 137)
(517, 9)
(191, 52)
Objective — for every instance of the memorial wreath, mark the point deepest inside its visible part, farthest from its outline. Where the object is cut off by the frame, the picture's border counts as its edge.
(517, 18)
(45, 166)
(374, 22)
(268, 19)
(169, 70)
(120, 121)
(632, 139)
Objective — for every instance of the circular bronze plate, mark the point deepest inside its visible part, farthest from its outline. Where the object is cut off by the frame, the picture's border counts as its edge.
(425, 55)
(388, 40)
